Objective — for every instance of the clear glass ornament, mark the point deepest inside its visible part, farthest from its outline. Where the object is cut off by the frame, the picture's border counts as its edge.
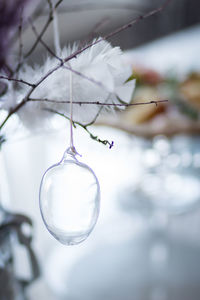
(70, 199)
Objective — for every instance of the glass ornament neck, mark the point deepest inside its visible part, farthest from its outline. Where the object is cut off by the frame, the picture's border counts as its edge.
(71, 153)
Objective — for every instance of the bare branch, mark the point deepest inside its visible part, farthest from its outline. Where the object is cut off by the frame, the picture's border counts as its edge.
(42, 42)
(48, 22)
(50, 6)
(85, 127)
(62, 62)
(25, 99)
(155, 102)
(17, 80)
(118, 30)
(73, 55)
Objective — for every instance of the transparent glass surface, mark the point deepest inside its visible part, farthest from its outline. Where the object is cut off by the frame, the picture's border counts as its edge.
(69, 200)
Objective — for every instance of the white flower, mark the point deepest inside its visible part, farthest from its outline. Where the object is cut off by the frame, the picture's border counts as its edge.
(101, 62)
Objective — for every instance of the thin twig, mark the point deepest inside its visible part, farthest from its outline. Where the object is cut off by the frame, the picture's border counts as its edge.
(50, 6)
(73, 55)
(156, 102)
(25, 99)
(98, 113)
(17, 80)
(48, 22)
(42, 42)
(39, 11)
(36, 14)
(85, 127)
(118, 30)
(68, 67)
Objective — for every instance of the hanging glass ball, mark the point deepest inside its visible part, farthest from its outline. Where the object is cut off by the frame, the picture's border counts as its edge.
(69, 199)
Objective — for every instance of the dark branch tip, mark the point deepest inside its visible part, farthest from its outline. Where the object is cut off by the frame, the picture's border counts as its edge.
(111, 145)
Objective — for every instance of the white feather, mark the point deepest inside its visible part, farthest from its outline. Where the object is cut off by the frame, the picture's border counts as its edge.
(101, 62)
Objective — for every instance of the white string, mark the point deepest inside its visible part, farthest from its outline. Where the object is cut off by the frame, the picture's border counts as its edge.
(71, 112)
(56, 34)
(58, 53)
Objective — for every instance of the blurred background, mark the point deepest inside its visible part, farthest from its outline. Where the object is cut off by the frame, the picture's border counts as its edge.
(146, 244)
(79, 19)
